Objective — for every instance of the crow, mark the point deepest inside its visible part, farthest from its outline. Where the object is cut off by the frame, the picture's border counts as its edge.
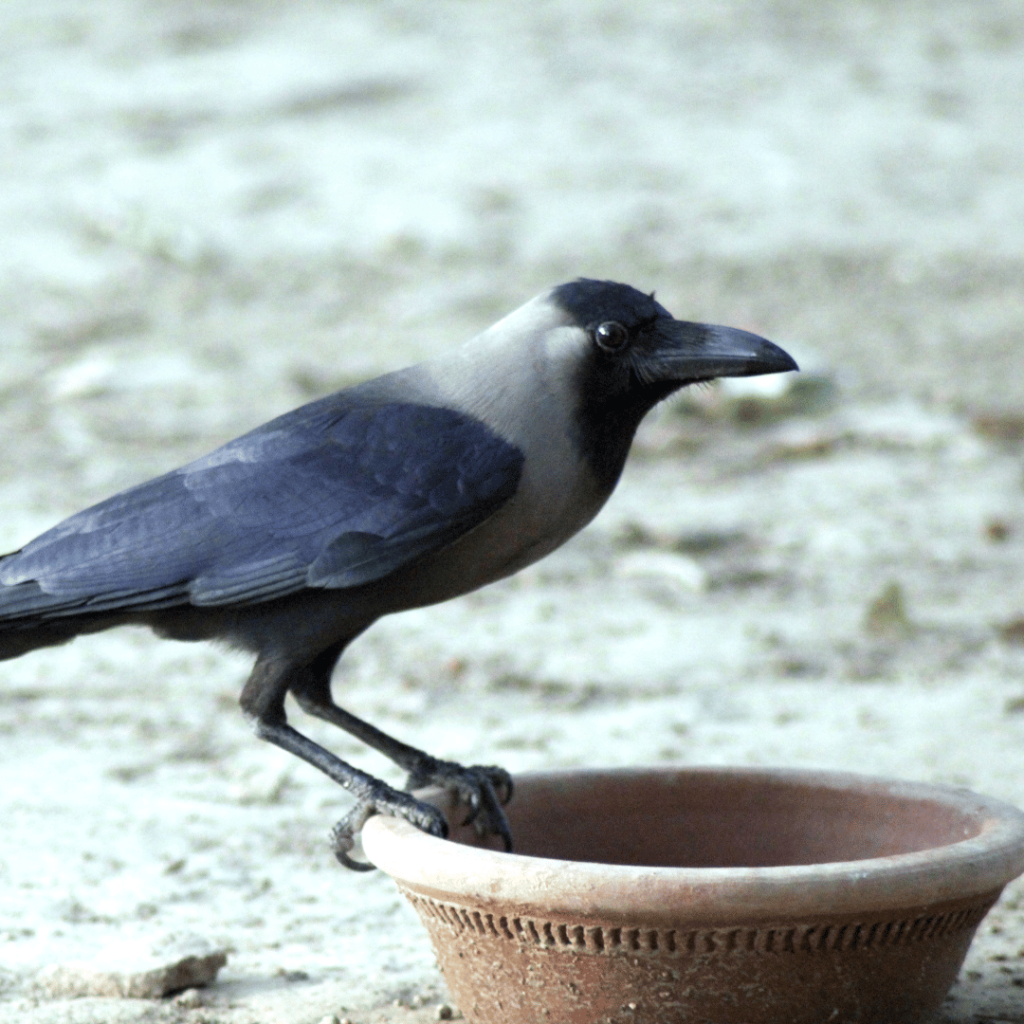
(395, 493)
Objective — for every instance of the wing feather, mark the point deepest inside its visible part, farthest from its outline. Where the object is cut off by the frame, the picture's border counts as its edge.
(336, 494)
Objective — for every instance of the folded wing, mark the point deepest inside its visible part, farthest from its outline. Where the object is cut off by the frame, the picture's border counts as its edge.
(334, 495)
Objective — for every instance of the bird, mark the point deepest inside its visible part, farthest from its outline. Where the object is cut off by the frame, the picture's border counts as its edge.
(398, 492)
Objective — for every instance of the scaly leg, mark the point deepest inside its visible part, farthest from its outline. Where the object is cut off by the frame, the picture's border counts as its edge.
(263, 700)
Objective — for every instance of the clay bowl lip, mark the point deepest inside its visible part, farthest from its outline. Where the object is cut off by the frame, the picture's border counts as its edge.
(979, 864)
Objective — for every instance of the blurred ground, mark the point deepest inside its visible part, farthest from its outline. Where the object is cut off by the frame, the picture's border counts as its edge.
(214, 211)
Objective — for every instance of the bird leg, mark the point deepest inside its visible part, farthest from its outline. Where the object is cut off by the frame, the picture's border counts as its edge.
(263, 701)
(482, 788)
(479, 787)
(372, 795)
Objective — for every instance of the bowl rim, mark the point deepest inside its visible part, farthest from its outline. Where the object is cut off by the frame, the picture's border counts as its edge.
(967, 868)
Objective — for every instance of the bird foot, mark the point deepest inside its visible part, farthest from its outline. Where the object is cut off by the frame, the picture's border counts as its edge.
(483, 789)
(384, 800)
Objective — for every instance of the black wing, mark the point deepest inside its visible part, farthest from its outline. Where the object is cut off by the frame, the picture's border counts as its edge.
(336, 494)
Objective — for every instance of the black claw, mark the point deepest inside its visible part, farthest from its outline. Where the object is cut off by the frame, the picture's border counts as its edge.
(433, 824)
(343, 836)
(483, 790)
(353, 865)
(485, 804)
(387, 801)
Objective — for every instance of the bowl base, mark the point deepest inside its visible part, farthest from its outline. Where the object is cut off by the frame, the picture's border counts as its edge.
(513, 969)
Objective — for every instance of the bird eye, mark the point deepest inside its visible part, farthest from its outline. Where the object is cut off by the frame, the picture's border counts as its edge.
(611, 336)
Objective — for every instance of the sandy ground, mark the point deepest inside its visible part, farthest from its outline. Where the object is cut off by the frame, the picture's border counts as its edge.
(214, 211)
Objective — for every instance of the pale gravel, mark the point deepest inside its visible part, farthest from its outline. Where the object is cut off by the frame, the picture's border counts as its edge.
(211, 212)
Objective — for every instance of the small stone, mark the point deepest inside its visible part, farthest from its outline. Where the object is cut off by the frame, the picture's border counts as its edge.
(677, 574)
(444, 1012)
(886, 616)
(124, 972)
(1012, 632)
(997, 530)
(1000, 425)
(757, 400)
(292, 975)
(190, 999)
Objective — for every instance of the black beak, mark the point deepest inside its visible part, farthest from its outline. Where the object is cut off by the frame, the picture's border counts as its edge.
(695, 352)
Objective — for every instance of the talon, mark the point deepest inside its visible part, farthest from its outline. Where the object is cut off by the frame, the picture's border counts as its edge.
(508, 789)
(502, 782)
(353, 865)
(387, 801)
(483, 789)
(432, 823)
(343, 837)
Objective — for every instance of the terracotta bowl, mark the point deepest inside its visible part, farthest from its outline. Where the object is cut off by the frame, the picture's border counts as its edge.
(718, 895)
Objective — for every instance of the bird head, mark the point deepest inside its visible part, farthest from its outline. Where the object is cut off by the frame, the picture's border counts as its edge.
(629, 346)
(623, 352)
